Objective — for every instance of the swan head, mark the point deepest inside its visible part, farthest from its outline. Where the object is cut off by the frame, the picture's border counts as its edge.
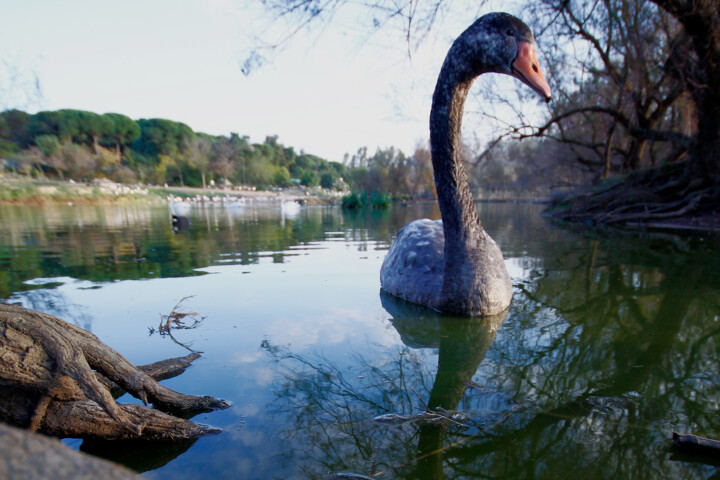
(501, 43)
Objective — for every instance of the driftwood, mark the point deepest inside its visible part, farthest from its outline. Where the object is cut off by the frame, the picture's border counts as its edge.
(56, 378)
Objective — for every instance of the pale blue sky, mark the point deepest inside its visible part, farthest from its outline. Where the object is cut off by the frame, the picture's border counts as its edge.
(327, 94)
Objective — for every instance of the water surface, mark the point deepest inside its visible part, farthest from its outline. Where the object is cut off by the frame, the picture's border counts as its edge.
(610, 344)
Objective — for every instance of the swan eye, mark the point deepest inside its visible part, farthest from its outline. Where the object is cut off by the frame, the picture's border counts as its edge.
(510, 32)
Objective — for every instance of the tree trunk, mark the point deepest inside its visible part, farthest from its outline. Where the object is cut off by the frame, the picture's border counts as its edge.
(701, 19)
(55, 378)
(96, 144)
(608, 151)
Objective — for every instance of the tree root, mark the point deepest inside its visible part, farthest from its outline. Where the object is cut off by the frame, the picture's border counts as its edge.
(162, 370)
(55, 378)
(654, 211)
(663, 193)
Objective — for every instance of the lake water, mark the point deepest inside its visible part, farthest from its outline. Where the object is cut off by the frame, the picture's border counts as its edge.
(611, 342)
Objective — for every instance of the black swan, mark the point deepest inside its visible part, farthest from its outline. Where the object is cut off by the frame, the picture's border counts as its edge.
(452, 265)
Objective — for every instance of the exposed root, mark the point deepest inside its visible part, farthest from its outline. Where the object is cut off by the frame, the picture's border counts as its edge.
(56, 378)
(668, 193)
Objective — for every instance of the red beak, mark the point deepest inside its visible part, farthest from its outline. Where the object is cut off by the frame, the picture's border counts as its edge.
(526, 68)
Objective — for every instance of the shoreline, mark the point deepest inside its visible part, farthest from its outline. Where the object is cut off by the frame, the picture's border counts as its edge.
(34, 192)
(22, 191)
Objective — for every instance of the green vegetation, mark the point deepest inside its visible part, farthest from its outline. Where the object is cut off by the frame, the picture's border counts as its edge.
(80, 145)
(364, 200)
(388, 174)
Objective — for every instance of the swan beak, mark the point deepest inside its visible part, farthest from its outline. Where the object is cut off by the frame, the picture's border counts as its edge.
(527, 69)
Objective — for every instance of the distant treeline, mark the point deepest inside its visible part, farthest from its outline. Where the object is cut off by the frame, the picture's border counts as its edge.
(81, 145)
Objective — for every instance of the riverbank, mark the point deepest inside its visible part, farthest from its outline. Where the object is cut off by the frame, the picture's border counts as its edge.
(25, 191)
(651, 199)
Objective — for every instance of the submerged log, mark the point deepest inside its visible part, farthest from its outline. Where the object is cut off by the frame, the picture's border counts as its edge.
(52, 380)
(689, 443)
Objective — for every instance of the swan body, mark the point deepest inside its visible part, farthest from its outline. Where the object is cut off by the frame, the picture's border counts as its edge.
(452, 265)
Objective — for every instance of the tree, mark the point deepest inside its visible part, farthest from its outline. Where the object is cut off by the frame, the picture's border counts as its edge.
(281, 177)
(6, 145)
(51, 150)
(697, 61)
(688, 189)
(198, 149)
(222, 167)
(19, 86)
(310, 178)
(50, 123)
(616, 106)
(92, 127)
(159, 136)
(124, 131)
(413, 20)
(18, 127)
(223, 156)
(423, 183)
(328, 179)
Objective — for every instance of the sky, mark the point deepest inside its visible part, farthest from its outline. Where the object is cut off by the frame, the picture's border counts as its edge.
(327, 92)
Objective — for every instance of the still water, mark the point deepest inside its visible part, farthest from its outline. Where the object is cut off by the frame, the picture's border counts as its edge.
(611, 342)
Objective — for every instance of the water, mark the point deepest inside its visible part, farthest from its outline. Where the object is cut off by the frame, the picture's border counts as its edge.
(610, 344)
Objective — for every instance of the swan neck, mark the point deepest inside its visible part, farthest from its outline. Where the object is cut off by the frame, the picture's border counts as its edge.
(461, 224)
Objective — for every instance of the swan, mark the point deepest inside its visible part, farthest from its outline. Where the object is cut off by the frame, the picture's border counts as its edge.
(452, 265)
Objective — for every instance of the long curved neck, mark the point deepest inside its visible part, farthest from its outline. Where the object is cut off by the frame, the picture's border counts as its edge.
(461, 224)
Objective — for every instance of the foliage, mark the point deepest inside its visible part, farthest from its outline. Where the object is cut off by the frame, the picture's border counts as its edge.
(390, 171)
(124, 132)
(375, 199)
(159, 136)
(83, 145)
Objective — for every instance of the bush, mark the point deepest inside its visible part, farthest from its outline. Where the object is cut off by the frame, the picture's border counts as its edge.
(353, 201)
(375, 200)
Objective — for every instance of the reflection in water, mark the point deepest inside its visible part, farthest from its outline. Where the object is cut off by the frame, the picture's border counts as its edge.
(611, 342)
(462, 344)
(136, 455)
(614, 341)
(104, 244)
(331, 407)
(178, 319)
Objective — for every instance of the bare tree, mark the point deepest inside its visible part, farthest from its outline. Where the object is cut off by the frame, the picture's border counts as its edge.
(19, 87)
(198, 149)
(414, 20)
(616, 106)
